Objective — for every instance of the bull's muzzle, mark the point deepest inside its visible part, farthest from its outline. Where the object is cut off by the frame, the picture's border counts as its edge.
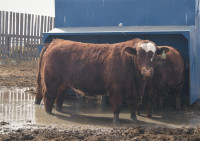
(147, 72)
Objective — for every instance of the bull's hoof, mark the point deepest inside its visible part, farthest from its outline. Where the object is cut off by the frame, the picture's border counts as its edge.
(149, 115)
(178, 108)
(138, 113)
(116, 124)
(58, 108)
(50, 113)
(161, 107)
(133, 121)
(38, 101)
(116, 121)
(133, 116)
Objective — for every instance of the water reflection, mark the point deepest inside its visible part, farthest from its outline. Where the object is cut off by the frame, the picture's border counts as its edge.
(18, 109)
(17, 106)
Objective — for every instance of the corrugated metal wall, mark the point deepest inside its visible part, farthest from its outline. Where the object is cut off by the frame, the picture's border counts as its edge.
(93, 13)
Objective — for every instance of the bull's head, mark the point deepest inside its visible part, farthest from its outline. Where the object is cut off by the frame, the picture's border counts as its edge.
(144, 53)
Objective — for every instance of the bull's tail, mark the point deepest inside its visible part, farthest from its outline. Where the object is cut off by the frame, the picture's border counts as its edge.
(39, 85)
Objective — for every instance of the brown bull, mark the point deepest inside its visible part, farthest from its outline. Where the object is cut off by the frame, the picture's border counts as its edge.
(168, 76)
(118, 70)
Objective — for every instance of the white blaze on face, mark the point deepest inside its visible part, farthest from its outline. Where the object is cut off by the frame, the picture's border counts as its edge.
(149, 47)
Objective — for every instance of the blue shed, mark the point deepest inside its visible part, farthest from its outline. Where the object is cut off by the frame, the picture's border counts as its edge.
(166, 22)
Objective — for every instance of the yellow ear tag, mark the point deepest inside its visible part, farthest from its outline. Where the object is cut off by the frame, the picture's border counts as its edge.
(163, 56)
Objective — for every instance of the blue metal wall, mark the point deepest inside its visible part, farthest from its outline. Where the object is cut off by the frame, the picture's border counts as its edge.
(194, 51)
(93, 13)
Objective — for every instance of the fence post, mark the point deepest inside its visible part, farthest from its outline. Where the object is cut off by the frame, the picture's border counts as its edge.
(17, 35)
(10, 35)
(3, 35)
(8, 45)
(25, 37)
(0, 35)
(6, 35)
(21, 34)
(13, 37)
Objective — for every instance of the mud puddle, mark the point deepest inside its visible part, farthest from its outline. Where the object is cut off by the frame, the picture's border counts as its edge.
(16, 107)
(17, 110)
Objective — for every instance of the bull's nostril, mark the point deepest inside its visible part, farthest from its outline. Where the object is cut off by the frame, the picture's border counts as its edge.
(146, 71)
(143, 71)
(151, 71)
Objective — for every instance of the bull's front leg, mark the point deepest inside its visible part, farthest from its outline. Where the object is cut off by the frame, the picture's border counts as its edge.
(178, 98)
(132, 102)
(140, 95)
(139, 106)
(161, 106)
(151, 101)
(116, 119)
(50, 94)
(49, 100)
(38, 97)
(60, 99)
(116, 102)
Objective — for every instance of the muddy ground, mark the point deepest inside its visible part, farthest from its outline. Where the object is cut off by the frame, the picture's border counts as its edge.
(13, 74)
(120, 133)
(16, 74)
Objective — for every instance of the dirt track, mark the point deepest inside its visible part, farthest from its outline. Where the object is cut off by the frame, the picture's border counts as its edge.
(24, 75)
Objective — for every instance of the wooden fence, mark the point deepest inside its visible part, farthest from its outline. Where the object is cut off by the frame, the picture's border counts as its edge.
(21, 33)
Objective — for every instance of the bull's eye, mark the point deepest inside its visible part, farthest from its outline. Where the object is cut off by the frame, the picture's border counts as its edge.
(138, 59)
(150, 54)
(142, 53)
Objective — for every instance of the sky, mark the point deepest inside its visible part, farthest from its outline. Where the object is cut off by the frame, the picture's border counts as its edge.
(38, 7)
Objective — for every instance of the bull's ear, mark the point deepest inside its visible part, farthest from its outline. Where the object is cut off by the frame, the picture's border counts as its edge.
(160, 50)
(131, 50)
